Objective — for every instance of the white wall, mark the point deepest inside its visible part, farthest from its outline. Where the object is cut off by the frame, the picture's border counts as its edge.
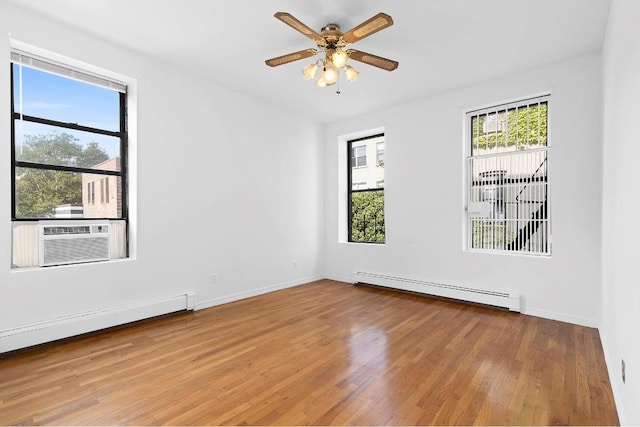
(621, 206)
(225, 185)
(424, 194)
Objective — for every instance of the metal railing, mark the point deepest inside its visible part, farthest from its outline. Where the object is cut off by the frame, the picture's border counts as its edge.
(508, 203)
(538, 218)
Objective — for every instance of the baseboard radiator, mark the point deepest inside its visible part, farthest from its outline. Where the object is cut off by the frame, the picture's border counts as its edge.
(81, 323)
(480, 296)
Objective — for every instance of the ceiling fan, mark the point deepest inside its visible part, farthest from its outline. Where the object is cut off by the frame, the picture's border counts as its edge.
(333, 42)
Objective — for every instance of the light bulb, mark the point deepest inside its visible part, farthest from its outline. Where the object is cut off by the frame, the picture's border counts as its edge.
(330, 73)
(310, 71)
(321, 82)
(339, 58)
(351, 73)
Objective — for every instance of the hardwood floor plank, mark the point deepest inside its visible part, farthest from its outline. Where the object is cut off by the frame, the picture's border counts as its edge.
(325, 353)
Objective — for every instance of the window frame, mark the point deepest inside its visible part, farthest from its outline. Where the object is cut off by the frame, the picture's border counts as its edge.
(350, 158)
(543, 213)
(122, 134)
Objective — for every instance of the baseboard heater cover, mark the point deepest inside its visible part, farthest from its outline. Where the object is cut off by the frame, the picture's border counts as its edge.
(80, 323)
(481, 296)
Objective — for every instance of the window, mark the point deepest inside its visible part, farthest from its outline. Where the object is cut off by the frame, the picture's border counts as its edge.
(91, 193)
(380, 153)
(359, 186)
(359, 156)
(507, 178)
(365, 205)
(106, 189)
(69, 142)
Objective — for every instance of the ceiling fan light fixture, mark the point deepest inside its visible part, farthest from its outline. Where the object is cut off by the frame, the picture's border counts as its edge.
(309, 71)
(334, 45)
(351, 73)
(321, 82)
(330, 73)
(339, 58)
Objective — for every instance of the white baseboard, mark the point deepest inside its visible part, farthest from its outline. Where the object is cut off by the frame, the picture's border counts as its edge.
(461, 293)
(339, 278)
(561, 317)
(80, 323)
(254, 292)
(530, 311)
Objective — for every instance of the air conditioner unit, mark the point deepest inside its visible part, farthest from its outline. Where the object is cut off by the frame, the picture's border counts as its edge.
(73, 243)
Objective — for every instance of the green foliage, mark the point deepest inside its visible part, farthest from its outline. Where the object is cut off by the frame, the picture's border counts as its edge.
(525, 127)
(91, 156)
(38, 191)
(367, 208)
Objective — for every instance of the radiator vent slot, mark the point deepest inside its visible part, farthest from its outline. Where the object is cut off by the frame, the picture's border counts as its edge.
(72, 244)
(481, 296)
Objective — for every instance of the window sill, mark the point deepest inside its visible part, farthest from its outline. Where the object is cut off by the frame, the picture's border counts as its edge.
(77, 265)
(375, 244)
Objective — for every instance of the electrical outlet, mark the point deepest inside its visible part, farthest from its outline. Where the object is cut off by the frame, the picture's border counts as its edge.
(214, 278)
(624, 376)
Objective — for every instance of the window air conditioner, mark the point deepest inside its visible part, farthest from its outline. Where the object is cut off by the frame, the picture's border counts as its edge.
(73, 243)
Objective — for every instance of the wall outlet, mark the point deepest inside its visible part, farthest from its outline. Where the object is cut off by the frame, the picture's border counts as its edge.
(214, 278)
(624, 374)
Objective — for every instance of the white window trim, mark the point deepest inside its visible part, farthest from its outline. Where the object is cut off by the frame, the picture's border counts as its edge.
(466, 150)
(132, 139)
(342, 161)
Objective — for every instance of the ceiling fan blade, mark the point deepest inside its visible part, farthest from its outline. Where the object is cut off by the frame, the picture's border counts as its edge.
(291, 21)
(368, 27)
(290, 57)
(376, 61)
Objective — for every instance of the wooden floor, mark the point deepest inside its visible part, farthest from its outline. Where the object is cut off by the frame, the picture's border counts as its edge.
(325, 353)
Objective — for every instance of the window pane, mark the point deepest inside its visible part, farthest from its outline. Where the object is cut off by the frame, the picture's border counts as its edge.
(520, 128)
(367, 216)
(42, 193)
(53, 97)
(366, 176)
(366, 195)
(508, 205)
(65, 147)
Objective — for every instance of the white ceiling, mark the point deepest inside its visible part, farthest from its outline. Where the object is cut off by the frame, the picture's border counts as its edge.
(440, 44)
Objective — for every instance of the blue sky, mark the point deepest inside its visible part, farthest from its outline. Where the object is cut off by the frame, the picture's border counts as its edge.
(52, 97)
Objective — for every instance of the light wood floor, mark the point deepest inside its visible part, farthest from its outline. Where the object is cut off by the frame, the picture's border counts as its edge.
(325, 353)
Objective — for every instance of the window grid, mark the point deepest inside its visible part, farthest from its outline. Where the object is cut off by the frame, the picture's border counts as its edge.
(52, 169)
